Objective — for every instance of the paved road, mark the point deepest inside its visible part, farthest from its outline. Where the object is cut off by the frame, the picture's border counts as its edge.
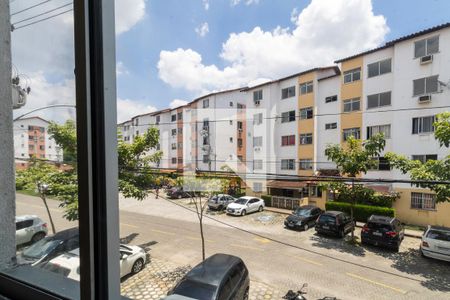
(281, 258)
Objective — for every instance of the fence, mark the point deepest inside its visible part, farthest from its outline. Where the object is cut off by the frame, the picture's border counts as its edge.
(287, 202)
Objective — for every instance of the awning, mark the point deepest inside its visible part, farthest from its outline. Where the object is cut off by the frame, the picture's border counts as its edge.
(282, 184)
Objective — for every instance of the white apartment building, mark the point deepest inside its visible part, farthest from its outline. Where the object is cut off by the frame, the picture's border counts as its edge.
(31, 139)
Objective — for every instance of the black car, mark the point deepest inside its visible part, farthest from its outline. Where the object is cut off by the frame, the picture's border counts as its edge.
(383, 231)
(303, 217)
(220, 276)
(50, 247)
(177, 193)
(335, 223)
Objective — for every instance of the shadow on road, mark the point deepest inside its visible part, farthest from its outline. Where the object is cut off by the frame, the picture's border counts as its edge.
(127, 239)
(338, 244)
(146, 246)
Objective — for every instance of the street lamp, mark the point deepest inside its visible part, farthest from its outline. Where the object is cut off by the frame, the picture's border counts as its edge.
(43, 189)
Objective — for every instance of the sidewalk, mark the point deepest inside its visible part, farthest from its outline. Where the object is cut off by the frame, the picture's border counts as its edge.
(408, 232)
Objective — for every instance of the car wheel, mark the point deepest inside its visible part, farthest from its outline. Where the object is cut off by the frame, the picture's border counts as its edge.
(37, 237)
(246, 294)
(180, 196)
(260, 209)
(244, 212)
(137, 266)
(305, 227)
(397, 248)
(341, 233)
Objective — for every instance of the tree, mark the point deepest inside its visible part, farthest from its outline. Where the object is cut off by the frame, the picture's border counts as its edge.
(200, 190)
(353, 158)
(436, 170)
(65, 137)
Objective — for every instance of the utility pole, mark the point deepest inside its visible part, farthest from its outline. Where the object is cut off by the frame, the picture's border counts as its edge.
(7, 174)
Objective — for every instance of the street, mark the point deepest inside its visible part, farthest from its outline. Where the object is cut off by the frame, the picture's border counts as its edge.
(279, 258)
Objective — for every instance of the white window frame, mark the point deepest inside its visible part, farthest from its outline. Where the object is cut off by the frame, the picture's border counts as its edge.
(257, 187)
(375, 129)
(379, 100)
(352, 103)
(355, 131)
(206, 103)
(350, 75)
(420, 123)
(426, 46)
(288, 164)
(330, 99)
(288, 92)
(288, 116)
(304, 113)
(306, 138)
(378, 66)
(306, 87)
(257, 95)
(330, 126)
(425, 81)
(257, 164)
(423, 201)
(305, 164)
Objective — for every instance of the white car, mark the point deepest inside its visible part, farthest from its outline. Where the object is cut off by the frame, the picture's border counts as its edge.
(436, 243)
(245, 205)
(132, 261)
(30, 228)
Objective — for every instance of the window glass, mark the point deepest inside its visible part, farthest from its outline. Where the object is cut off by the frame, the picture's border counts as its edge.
(419, 48)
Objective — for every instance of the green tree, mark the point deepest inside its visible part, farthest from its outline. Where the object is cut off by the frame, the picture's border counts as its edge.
(353, 158)
(435, 170)
(65, 137)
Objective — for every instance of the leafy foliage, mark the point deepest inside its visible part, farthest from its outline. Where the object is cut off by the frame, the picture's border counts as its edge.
(435, 170)
(65, 136)
(360, 212)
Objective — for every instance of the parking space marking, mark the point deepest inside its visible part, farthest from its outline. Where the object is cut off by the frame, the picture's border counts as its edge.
(377, 283)
(307, 260)
(262, 240)
(38, 206)
(246, 247)
(198, 239)
(163, 232)
(129, 225)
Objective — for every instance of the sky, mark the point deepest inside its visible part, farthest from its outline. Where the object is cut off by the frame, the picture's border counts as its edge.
(172, 51)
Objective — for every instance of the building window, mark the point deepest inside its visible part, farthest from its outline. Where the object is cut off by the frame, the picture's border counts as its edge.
(378, 100)
(425, 85)
(206, 140)
(287, 164)
(423, 201)
(174, 132)
(288, 140)
(306, 113)
(174, 118)
(423, 158)
(257, 95)
(240, 158)
(180, 160)
(257, 164)
(231, 122)
(426, 46)
(257, 119)
(206, 103)
(288, 116)
(306, 138)
(381, 164)
(352, 75)
(206, 159)
(180, 116)
(180, 130)
(231, 104)
(257, 187)
(30, 137)
(41, 147)
(240, 125)
(180, 145)
(423, 125)
(288, 92)
(158, 147)
(30, 147)
(174, 160)
(331, 99)
(240, 106)
(379, 68)
(257, 141)
(306, 88)
(355, 132)
(158, 119)
(174, 146)
(231, 139)
(352, 105)
(206, 125)
(240, 142)
(329, 126)
(374, 130)
(305, 164)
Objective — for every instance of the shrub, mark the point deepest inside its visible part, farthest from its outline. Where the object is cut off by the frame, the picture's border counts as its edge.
(267, 200)
(360, 212)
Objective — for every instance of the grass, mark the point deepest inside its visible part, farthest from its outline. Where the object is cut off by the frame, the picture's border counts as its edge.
(28, 192)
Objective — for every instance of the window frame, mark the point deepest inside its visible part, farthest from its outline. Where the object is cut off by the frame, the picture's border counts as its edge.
(331, 126)
(420, 121)
(425, 92)
(369, 130)
(422, 200)
(307, 86)
(351, 74)
(305, 138)
(426, 46)
(331, 99)
(378, 95)
(290, 164)
(288, 92)
(307, 110)
(288, 116)
(378, 65)
(353, 129)
(352, 103)
(288, 140)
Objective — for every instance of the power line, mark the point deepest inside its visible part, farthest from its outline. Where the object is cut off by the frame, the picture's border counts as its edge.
(41, 20)
(28, 8)
(41, 14)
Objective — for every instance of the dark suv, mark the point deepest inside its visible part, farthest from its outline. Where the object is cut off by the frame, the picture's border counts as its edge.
(334, 222)
(303, 217)
(177, 193)
(220, 276)
(383, 231)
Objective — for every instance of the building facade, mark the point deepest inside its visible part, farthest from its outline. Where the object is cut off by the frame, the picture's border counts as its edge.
(283, 127)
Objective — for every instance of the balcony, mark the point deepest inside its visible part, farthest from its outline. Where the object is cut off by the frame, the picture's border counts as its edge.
(288, 202)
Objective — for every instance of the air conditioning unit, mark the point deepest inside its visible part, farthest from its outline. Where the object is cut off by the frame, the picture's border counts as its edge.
(257, 102)
(426, 59)
(257, 149)
(425, 99)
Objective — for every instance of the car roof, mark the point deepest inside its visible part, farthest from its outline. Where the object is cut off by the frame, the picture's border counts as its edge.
(442, 228)
(65, 234)
(26, 217)
(247, 197)
(332, 212)
(380, 219)
(213, 269)
(307, 207)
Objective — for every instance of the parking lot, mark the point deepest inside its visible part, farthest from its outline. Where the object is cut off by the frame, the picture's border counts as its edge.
(276, 257)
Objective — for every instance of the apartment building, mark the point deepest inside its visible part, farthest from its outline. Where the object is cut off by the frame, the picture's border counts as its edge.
(31, 139)
(283, 126)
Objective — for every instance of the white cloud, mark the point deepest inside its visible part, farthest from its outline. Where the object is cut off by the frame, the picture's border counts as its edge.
(128, 14)
(321, 35)
(177, 103)
(205, 4)
(128, 108)
(202, 30)
(247, 2)
(121, 69)
(294, 15)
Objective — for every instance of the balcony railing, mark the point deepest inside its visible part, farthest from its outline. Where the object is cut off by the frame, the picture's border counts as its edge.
(287, 202)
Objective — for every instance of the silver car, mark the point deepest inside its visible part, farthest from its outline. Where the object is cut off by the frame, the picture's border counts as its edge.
(30, 228)
(436, 243)
(220, 201)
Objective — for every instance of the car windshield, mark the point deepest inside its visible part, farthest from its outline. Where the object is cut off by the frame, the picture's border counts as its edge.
(379, 226)
(41, 248)
(196, 290)
(439, 235)
(327, 219)
(214, 198)
(241, 201)
(302, 212)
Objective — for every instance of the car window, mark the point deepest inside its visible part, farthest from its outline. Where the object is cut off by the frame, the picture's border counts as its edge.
(196, 290)
(235, 275)
(378, 226)
(226, 289)
(327, 219)
(439, 235)
(241, 201)
(41, 248)
(302, 212)
(24, 224)
(72, 243)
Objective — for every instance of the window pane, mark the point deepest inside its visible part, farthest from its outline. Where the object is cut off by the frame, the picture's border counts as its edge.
(433, 45)
(373, 69)
(385, 99)
(419, 86)
(419, 48)
(431, 84)
(372, 101)
(385, 66)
